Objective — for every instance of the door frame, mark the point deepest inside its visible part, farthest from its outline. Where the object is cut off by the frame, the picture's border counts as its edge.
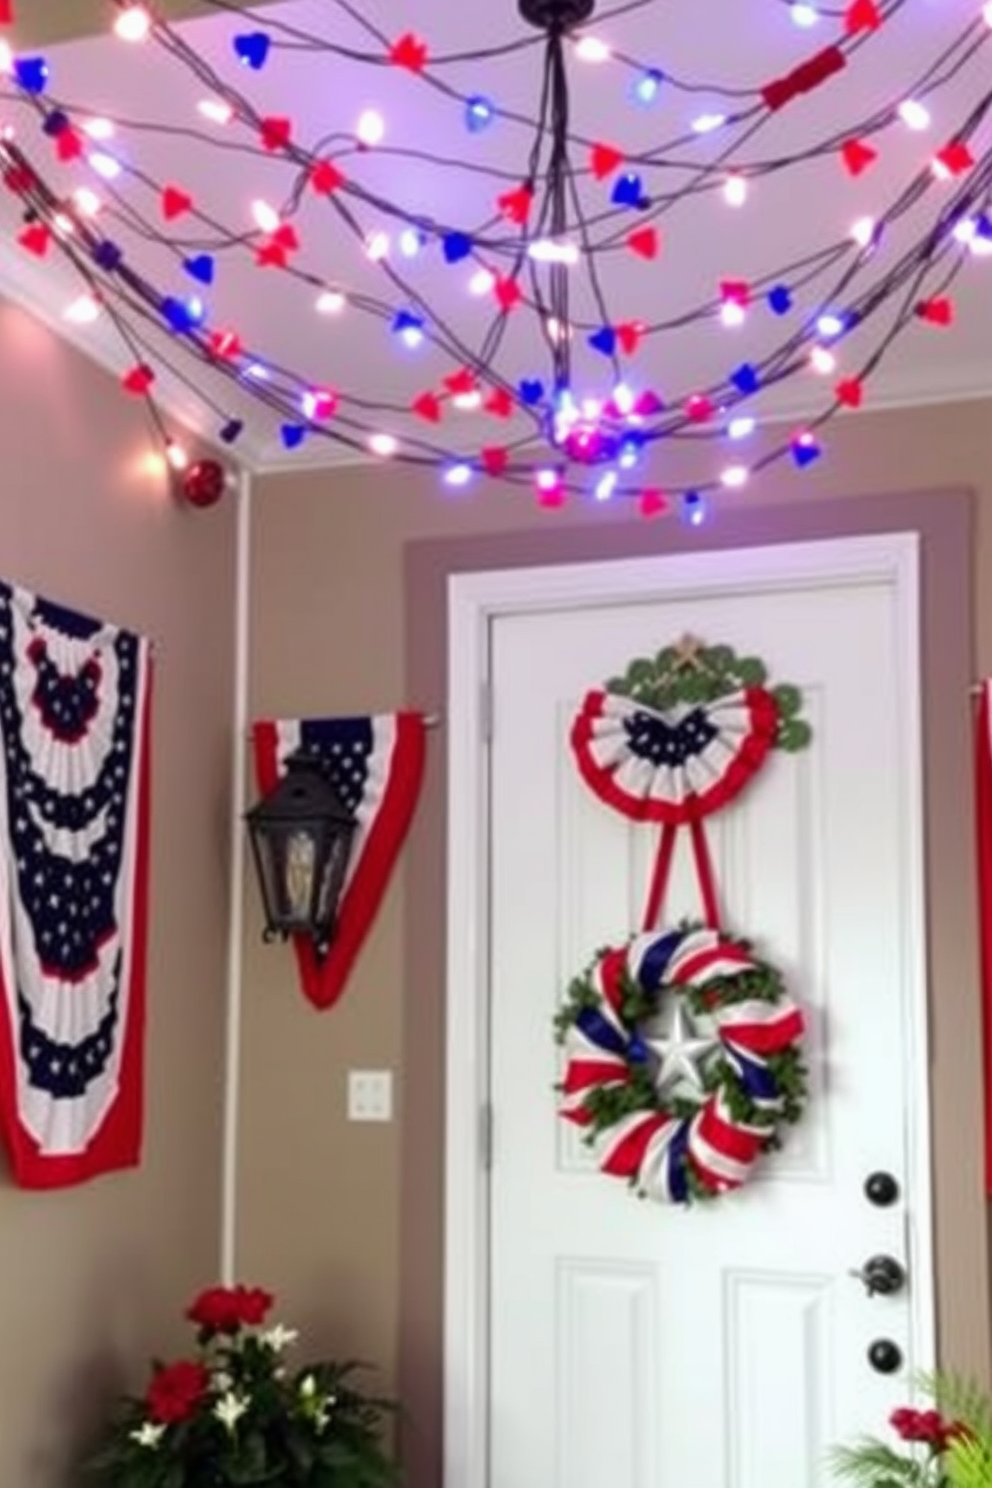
(474, 600)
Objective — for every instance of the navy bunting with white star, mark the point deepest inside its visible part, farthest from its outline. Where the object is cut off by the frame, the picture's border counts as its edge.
(376, 765)
(74, 787)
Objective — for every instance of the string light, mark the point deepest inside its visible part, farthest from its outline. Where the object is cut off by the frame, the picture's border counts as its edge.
(914, 115)
(330, 302)
(371, 128)
(593, 405)
(266, 218)
(216, 110)
(104, 165)
(133, 24)
(592, 49)
(99, 129)
(82, 311)
(647, 87)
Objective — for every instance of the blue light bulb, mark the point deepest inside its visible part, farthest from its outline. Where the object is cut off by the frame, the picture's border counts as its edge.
(647, 87)
(479, 113)
(693, 509)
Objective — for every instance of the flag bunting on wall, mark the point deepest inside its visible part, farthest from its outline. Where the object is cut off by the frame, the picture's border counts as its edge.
(376, 765)
(74, 816)
(983, 813)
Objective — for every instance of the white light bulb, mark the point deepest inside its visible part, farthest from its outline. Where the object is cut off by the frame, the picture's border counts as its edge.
(83, 311)
(822, 361)
(383, 445)
(735, 191)
(266, 217)
(409, 242)
(105, 165)
(804, 15)
(87, 202)
(606, 485)
(216, 110)
(6, 57)
(467, 402)
(547, 480)
(377, 246)
(732, 314)
(863, 231)
(741, 427)
(987, 14)
(133, 24)
(830, 325)
(592, 49)
(176, 455)
(734, 476)
(458, 475)
(371, 127)
(330, 302)
(99, 129)
(482, 282)
(706, 123)
(913, 114)
(546, 250)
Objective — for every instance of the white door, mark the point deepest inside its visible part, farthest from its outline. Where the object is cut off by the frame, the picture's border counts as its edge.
(623, 1343)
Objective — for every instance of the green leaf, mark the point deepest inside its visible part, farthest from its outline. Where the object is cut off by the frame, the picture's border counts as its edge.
(794, 734)
(789, 699)
(752, 671)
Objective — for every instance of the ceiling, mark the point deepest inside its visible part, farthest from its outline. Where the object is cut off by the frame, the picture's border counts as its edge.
(433, 168)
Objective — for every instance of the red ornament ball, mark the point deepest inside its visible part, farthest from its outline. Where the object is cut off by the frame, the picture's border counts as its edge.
(204, 483)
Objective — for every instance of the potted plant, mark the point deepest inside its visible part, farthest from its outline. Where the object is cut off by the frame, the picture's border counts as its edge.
(234, 1413)
(946, 1446)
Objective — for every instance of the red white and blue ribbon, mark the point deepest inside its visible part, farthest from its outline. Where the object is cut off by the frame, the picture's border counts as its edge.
(74, 808)
(654, 1148)
(677, 767)
(376, 765)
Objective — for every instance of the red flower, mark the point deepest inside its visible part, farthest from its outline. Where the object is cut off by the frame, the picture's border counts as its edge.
(227, 1309)
(175, 1391)
(924, 1426)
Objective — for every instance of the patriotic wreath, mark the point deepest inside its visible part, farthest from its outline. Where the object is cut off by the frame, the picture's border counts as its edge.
(682, 1047)
(738, 1076)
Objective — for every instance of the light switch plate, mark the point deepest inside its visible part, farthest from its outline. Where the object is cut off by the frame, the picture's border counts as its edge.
(370, 1095)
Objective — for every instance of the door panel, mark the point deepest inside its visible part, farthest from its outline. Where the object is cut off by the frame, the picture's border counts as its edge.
(724, 1346)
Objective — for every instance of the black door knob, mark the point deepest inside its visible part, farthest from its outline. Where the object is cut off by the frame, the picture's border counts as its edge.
(881, 1189)
(884, 1356)
(882, 1275)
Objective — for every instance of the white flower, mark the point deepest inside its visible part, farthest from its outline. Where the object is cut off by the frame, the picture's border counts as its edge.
(148, 1434)
(308, 1387)
(277, 1337)
(221, 1381)
(230, 1408)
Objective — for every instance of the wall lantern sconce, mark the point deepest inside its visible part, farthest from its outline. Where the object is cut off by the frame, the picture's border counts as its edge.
(301, 836)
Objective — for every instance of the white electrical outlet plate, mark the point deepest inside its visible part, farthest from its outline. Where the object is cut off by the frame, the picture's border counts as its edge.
(370, 1095)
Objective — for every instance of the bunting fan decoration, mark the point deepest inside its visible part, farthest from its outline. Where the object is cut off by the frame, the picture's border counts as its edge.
(683, 1048)
(74, 843)
(376, 766)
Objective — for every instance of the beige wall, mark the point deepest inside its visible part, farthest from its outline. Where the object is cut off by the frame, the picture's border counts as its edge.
(42, 22)
(91, 1277)
(319, 1199)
